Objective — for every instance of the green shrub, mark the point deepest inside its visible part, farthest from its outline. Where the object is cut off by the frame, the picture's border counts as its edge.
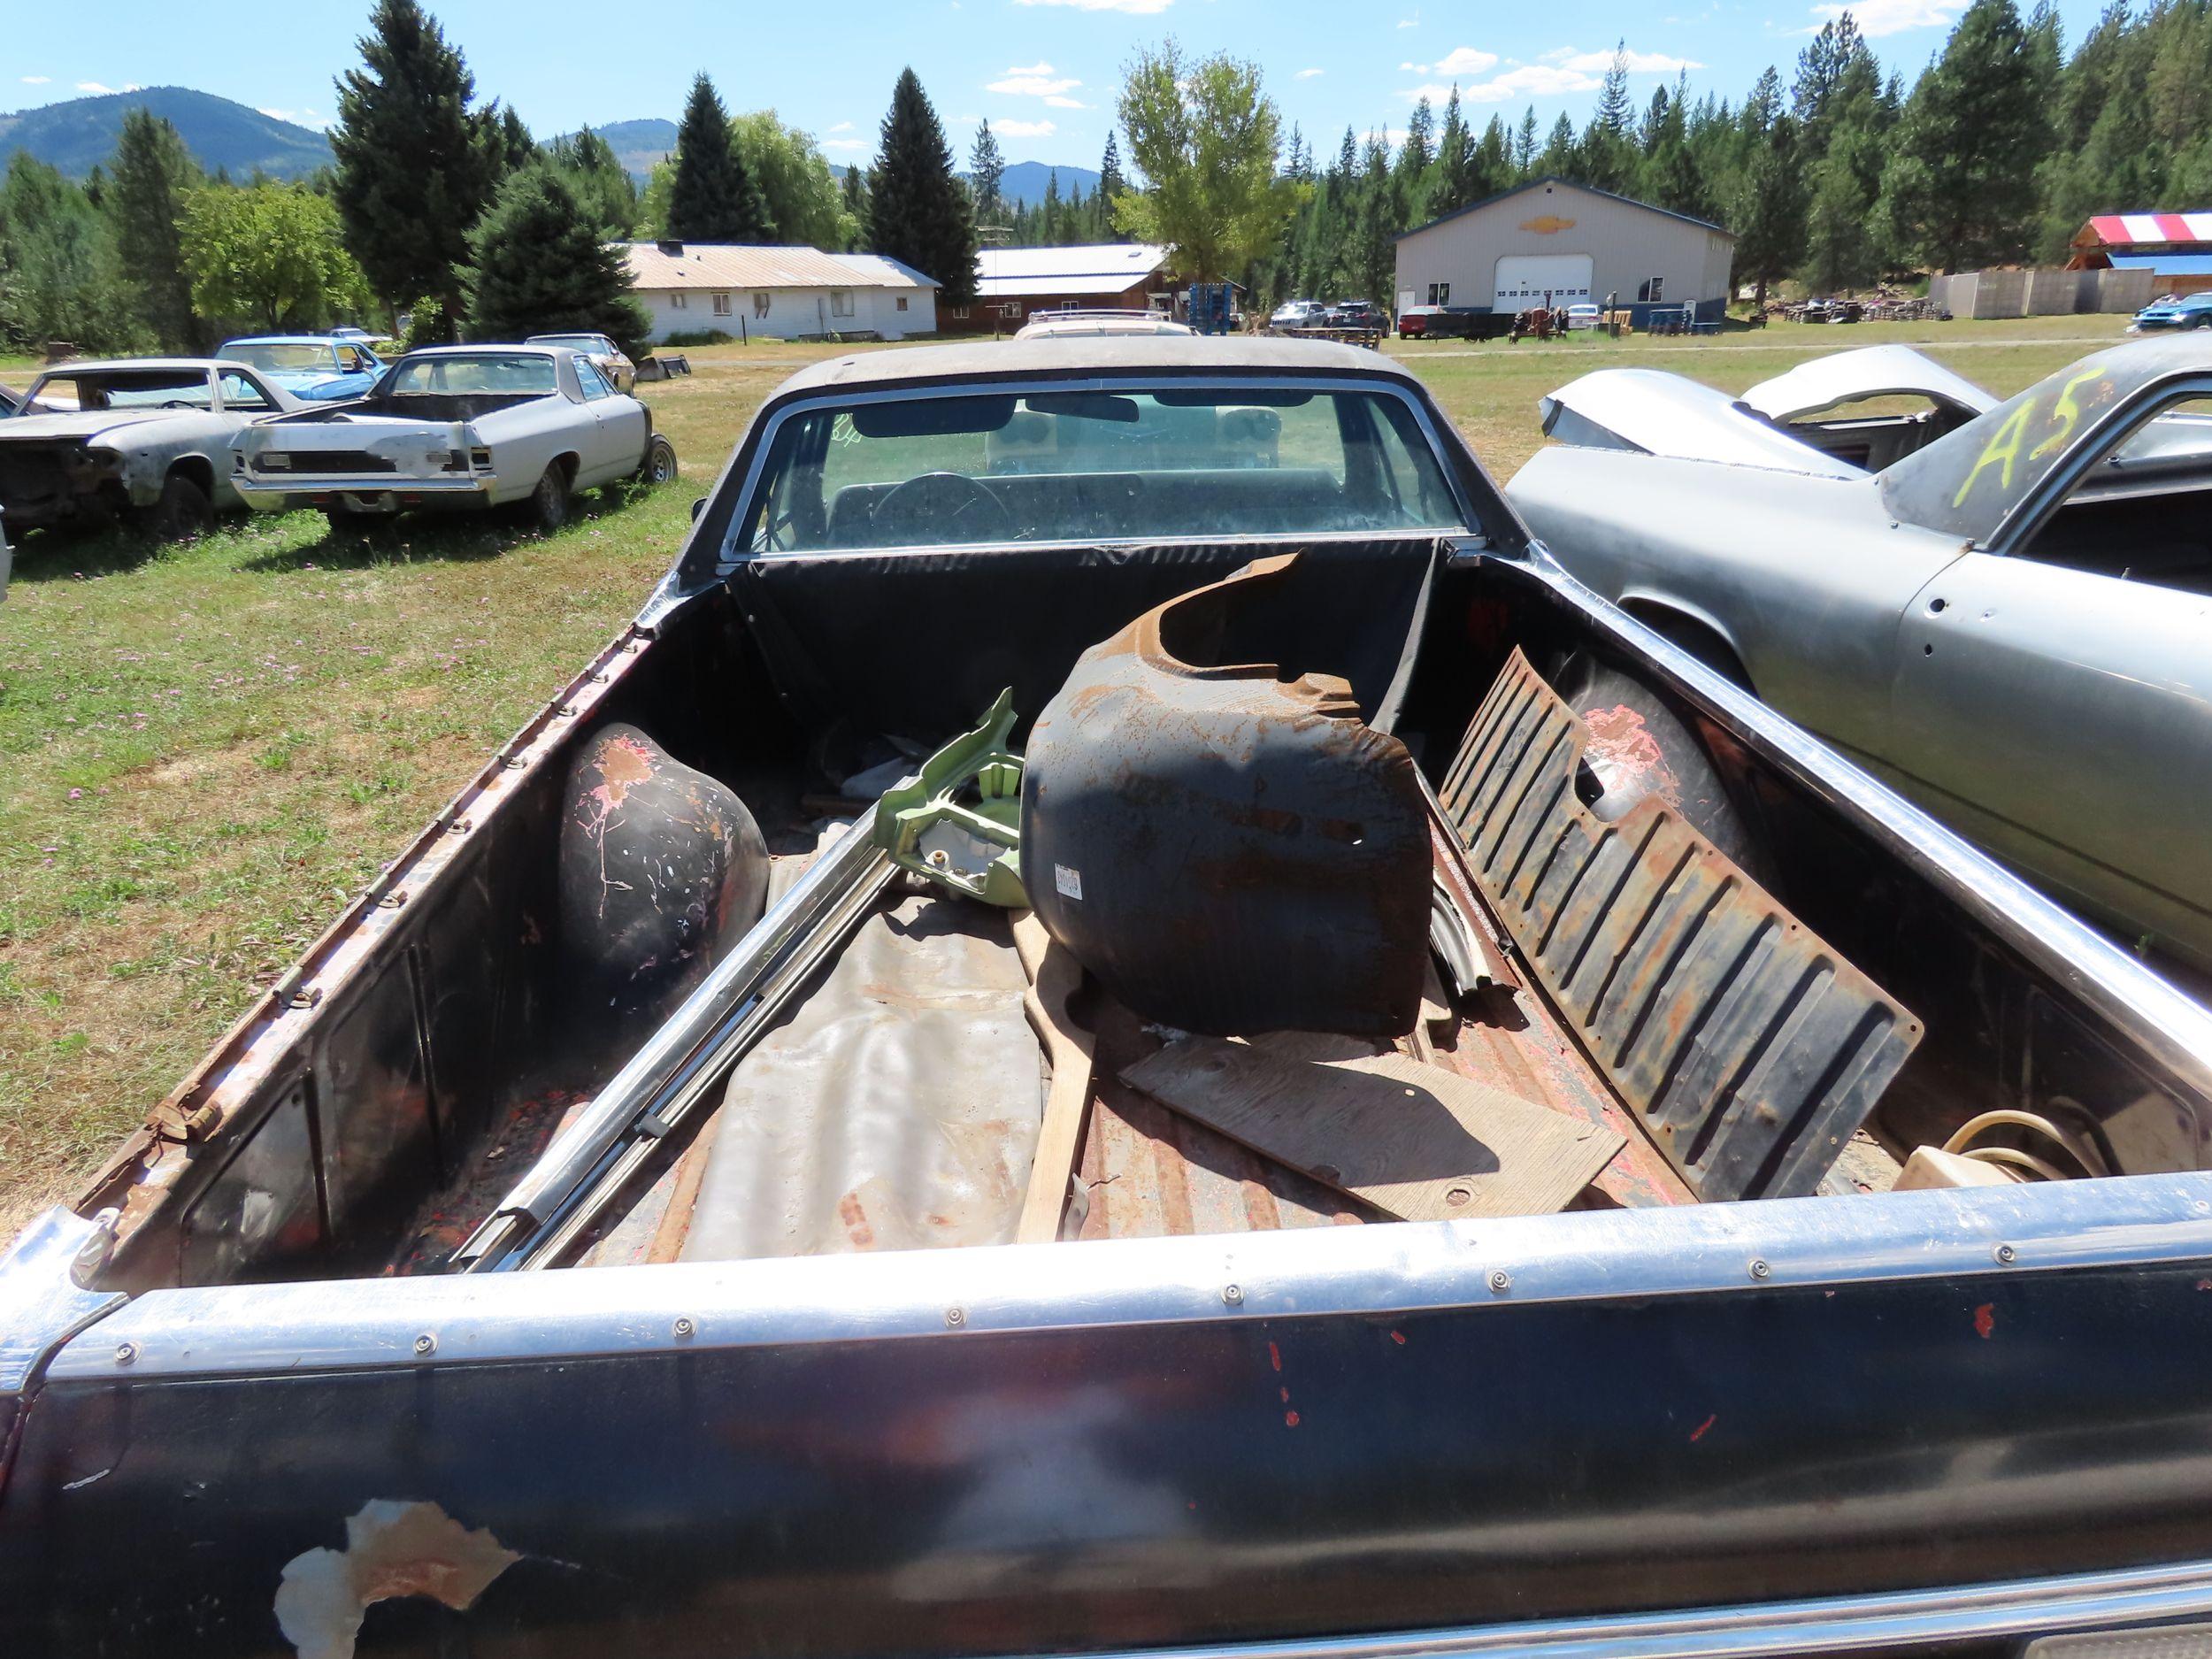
(699, 337)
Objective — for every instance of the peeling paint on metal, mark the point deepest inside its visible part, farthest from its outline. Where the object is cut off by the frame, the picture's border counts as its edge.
(394, 1549)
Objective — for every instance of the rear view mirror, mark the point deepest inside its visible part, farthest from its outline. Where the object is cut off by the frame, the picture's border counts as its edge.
(698, 507)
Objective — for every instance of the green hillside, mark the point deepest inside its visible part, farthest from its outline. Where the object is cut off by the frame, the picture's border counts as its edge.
(79, 135)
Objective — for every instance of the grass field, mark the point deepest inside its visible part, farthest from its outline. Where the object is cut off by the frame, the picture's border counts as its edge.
(208, 749)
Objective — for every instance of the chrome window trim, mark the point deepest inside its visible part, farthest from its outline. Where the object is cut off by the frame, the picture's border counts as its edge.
(1856, 1624)
(2169, 1024)
(1395, 1268)
(730, 555)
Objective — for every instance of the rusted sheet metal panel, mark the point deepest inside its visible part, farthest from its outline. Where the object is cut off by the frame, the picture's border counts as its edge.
(1212, 831)
(1750, 1047)
(1148, 1172)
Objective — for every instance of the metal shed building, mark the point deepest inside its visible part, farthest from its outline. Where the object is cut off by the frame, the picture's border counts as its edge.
(1555, 241)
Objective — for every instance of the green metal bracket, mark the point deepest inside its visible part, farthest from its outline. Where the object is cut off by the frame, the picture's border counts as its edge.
(970, 846)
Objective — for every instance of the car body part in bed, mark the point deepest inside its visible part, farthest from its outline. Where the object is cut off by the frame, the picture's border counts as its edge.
(1416, 1142)
(659, 865)
(970, 849)
(1214, 832)
(596, 1154)
(1749, 1047)
(1055, 977)
(894, 1105)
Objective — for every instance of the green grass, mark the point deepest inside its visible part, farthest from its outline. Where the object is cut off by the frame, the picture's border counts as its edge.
(208, 749)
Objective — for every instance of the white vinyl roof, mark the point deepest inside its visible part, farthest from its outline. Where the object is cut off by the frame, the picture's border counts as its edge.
(1097, 268)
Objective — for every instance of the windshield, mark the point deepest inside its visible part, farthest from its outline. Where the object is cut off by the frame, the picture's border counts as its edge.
(1097, 465)
(1968, 482)
(123, 389)
(575, 343)
(515, 375)
(277, 355)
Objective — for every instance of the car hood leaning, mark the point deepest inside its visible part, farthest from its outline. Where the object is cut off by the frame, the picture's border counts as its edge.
(1844, 377)
(1660, 413)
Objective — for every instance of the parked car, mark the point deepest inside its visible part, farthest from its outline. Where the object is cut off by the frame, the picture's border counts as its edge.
(2188, 310)
(314, 368)
(841, 1380)
(145, 439)
(1580, 316)
(604, 355)
(1453, 322)
(1295, 314)
(1357, 314)
(458, 427)
(2006, 621)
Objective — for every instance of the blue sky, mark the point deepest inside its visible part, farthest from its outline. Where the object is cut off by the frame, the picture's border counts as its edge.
(1042, 72)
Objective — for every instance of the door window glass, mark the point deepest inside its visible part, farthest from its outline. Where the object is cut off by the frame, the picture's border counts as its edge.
(2143, 512)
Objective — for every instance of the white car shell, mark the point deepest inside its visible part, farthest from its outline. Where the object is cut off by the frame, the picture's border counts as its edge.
(450, 427)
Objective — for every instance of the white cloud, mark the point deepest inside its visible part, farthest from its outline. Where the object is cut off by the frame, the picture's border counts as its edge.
(1026, 129)
(1032, 69)
(1638, 63)
(1308, 74)
(1137, 8)
(36, 80)
(1461, 60)
(1530, 80)
(1066, 103)
(844, 143)
(299, 118)
(1021, 84)
(1876, 18)
(1413, 22)
(842, 126)
(95, 89)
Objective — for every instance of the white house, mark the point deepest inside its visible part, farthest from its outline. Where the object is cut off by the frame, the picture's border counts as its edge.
(784, 292)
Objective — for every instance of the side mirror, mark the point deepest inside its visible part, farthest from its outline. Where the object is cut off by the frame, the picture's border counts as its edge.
(698, 507)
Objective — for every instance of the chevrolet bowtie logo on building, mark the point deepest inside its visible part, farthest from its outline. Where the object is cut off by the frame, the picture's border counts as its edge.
(1547, 224)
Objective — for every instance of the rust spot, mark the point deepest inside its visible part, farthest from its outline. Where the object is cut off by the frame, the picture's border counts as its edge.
(1274, 1356)
(1698, 1434)
(1285, 1395)
(1399, 1337)
(856, 1220)
(1290, 1419)
(1984, 1320)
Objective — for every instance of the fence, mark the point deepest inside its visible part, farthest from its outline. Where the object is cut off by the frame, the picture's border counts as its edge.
(2042, 293)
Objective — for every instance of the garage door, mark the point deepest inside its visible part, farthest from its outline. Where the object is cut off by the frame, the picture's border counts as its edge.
(1526, 279)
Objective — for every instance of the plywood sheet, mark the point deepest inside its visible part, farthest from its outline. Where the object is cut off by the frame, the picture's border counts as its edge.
(1414, 1140)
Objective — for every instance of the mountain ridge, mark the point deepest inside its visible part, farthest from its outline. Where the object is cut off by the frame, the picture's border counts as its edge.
(78, 134)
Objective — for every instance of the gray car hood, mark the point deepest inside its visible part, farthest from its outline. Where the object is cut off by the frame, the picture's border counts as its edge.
(86, 425)
(1869, 372)
(1655, 412)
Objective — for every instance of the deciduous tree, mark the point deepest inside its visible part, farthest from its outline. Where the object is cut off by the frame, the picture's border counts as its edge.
(1204, 135)
(275, 254)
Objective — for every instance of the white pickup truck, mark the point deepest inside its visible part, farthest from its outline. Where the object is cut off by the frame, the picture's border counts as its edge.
(458, 427)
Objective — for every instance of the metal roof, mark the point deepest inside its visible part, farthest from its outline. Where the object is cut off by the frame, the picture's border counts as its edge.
(2128, 229)
(981, 361)
(2165, 264)
(1571, 184)
(1095, 268)
(734, 266)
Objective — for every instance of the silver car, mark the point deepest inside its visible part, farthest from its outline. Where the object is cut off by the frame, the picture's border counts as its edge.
(2007, 613)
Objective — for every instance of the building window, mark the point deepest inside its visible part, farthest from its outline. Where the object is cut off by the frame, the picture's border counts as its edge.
(840, 302)
(676, 302)
(760, 304)
(721, 305)
(902, 302)
(1440, 294)
(1651, 292)
(1011, 311)
(960, 313)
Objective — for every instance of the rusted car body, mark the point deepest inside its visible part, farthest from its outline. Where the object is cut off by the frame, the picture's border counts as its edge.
(428, 1314)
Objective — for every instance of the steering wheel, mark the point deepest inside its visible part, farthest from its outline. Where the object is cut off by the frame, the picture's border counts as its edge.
(954, 506)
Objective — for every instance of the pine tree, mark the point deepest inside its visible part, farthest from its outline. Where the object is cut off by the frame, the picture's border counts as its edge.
(1561, 154)
(1418, 153)
(1959, 190)
(1052, 207)
(986, 167)
(512, 146)
(715, 198)
(542, 267)
(1491, 169)
(1454, 156)
(599, 181)
(145, 200)
(1524, 144)
(415, 164)
(856, 199)
(917, 211)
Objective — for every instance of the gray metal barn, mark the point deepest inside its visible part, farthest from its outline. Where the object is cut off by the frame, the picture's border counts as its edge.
(1553, 241)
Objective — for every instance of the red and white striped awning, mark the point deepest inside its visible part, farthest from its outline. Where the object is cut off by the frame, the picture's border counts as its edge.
(2134, 229)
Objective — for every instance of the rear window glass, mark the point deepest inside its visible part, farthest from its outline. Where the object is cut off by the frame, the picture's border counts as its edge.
(270, 354)
(507, 374)
(1097, 465)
